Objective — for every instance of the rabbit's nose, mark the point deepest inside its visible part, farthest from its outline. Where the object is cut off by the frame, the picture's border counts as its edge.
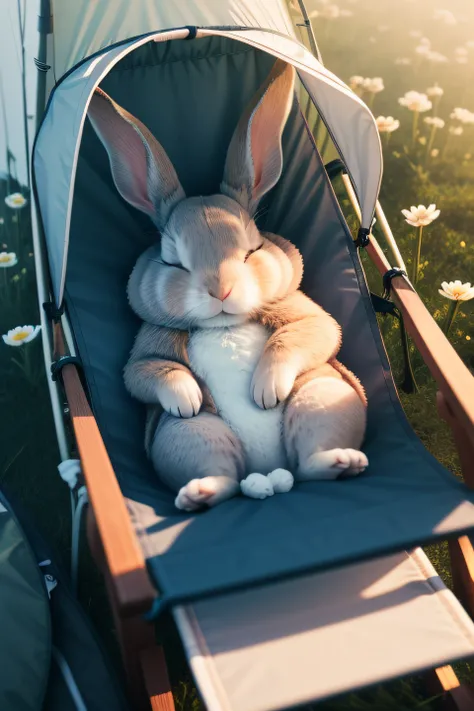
(221, 292)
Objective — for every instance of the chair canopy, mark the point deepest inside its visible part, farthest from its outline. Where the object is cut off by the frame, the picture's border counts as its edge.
(91, 38)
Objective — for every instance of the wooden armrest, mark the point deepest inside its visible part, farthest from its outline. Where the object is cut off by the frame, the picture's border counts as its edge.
(454, 379)
(131, 585)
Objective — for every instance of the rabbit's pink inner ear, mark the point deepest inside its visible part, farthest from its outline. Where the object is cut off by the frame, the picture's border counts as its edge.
(126, 151)
(142, 172)
(266, 128)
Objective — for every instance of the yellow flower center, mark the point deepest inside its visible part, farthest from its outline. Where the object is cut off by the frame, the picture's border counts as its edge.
(5, 258)
(457, 291)
(20, 335)
(18, 200)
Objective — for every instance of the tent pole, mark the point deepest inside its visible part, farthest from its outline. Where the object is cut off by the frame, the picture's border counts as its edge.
(21, 25)
(384, 226)
(45, 28)
(5, 133)
(309, 28)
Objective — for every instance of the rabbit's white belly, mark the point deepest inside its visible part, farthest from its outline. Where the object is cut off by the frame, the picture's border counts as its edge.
(225, 358)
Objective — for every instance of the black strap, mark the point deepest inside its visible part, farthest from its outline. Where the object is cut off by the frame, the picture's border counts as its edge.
(382, 305)
(192, 32)
(53, 312)
(388, 276)
(59, 364)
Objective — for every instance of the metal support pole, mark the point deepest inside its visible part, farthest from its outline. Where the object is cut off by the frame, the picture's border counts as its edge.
(21, 25)
(309, 28)
(45, 28)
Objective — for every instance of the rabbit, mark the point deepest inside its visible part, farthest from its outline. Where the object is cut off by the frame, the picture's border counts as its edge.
(237, 365)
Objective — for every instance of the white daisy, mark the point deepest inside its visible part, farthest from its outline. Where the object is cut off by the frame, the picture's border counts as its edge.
(435, 91)
(421, 216)
(434, 121)
(414, 101)
(16, 201)
(457, 291)
(20, 335)
(8, 259)
(373, 85)
(387, 124)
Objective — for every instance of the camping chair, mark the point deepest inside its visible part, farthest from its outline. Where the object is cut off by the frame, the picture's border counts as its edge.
(334, 593)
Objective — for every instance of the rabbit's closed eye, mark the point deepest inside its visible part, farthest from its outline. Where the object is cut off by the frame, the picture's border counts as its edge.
(251, 251)
(173, 264)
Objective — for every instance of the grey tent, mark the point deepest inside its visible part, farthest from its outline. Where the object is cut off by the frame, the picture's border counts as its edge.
(50, 656)
(339, 578)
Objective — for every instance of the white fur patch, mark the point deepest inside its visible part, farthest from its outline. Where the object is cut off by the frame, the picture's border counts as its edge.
(225, 358)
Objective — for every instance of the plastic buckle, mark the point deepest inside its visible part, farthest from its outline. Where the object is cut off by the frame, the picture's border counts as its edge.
(192, 32)
(362, 237)
(52, 311)
(388, 276)
(59, 364)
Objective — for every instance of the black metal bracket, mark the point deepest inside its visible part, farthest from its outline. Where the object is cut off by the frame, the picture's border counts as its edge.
(41, 66)
(59, 364)
(362, 237)
(388, 276)
(53, 312)
(334, 168)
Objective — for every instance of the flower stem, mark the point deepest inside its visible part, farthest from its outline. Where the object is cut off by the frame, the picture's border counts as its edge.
(416, 115)
(7, 302)
(416, 261)
(430, 143)
(17, 234)
(451, 315)
(370, 100)
(446, 146)
(27, 361)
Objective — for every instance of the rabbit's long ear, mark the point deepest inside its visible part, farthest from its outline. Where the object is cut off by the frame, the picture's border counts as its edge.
(254, 160)
(142, 172)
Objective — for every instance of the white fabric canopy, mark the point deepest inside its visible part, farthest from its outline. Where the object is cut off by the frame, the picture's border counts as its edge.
(82, 27)
(350, 122)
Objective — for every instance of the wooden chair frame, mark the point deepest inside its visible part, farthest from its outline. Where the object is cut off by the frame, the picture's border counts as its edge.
(116, 549)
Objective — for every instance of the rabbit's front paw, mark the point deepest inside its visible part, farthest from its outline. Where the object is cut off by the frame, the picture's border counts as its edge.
(272, 382)
(180, 395)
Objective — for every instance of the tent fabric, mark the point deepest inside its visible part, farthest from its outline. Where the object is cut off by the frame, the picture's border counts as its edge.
(81, 28)
(365, 624)
(37, 629)
(55, 154)
(405, 498)
(25, 638)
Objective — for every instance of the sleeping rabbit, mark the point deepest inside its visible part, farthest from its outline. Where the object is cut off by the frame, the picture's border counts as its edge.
(238, 367)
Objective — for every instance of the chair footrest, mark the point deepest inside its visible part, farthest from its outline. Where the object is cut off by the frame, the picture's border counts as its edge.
(308, 639)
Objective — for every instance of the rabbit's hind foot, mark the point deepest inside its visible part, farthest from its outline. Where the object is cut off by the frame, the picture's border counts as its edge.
(208, 491)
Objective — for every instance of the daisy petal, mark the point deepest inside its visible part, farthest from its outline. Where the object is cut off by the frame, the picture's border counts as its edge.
(446, 296)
